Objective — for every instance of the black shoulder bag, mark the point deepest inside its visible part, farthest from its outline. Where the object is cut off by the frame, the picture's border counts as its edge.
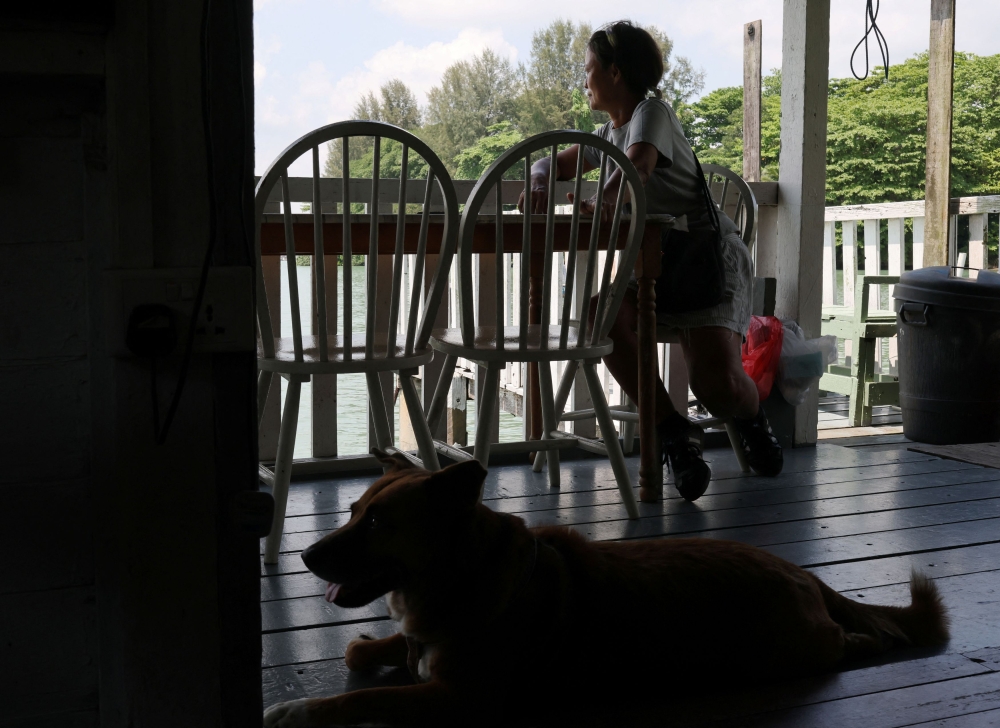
(692, 273)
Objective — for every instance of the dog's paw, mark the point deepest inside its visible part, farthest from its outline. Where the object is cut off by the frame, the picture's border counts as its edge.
(292, 714)
(355, 656)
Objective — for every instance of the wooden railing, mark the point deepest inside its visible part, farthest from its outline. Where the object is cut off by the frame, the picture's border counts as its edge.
(903, 223)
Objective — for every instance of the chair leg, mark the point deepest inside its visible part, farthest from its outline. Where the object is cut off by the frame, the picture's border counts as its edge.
(263, 387)
(549, 422)
(610, 441)
(628, 431)
(860, 409)
(380, 417)
(734, 440)
(425, 443)
(485, 408)
(441, 391)
(283, 469)
(562, 394)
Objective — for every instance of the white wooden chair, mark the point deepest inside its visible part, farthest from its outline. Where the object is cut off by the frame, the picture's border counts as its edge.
(559, 337)
(734, 197)
(296, 358)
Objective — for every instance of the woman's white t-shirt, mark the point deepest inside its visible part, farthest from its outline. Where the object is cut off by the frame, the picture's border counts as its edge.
(674, 187)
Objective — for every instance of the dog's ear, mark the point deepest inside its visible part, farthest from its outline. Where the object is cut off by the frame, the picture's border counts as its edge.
(392, 462)
(457, 486)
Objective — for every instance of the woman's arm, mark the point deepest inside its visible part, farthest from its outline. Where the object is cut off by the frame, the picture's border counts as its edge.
(643, 156)
(565, 169)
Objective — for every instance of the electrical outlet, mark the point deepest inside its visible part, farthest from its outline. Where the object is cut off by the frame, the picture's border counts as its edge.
(225, 322)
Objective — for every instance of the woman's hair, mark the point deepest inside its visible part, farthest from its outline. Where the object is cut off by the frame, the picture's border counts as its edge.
(634, 51)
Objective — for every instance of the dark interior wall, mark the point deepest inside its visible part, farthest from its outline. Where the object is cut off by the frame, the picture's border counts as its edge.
(129, 595)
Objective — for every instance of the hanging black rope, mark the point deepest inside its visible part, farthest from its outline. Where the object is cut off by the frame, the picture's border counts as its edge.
(883, 47)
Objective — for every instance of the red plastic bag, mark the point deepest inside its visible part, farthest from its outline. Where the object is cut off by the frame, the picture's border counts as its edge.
(762, 351)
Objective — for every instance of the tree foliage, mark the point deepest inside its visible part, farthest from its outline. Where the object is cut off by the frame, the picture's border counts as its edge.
(475, 160)
(488, 101)
(876, 131)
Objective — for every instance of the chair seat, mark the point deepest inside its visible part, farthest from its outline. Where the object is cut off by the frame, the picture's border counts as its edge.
(284, 359)
(484, 349)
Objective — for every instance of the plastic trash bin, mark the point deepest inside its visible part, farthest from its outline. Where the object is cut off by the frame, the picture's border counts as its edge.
(948, 322)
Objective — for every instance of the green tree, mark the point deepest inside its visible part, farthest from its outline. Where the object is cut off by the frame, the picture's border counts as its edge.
(396, 104)
(472, 96)
(474, 160)
(876, 131)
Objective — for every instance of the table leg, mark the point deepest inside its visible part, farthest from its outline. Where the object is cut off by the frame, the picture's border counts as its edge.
(647, 270)
(533, 406)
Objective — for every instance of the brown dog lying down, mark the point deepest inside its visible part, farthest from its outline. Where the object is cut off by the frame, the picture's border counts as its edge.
(491, 614)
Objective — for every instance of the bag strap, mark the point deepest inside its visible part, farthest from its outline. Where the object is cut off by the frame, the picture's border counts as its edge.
(713, 210)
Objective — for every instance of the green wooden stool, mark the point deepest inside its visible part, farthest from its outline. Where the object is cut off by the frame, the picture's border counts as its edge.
(866, 387)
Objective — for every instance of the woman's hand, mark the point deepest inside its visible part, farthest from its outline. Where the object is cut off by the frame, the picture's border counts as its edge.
(539, 195)
(589, 206)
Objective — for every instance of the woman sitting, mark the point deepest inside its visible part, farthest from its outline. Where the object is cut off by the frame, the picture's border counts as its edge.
(623, 67)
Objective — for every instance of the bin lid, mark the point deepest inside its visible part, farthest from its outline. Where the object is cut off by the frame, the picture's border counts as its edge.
(973, 289)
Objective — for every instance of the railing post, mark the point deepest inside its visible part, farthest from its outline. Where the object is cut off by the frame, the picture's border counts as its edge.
(897, 251)
(977, 241)
(829, 264)
(485, 278)
(324, 386)
(383, 288)
(918, 243)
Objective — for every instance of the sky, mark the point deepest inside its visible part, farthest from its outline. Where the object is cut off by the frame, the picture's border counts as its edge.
(313, 59)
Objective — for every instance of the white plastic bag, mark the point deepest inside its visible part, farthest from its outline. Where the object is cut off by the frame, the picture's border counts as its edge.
(802, 362)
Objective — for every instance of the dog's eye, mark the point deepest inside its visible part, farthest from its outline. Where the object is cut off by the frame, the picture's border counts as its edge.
(373, 522)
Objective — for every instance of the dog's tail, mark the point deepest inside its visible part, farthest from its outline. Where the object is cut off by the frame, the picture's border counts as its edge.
(922, 624)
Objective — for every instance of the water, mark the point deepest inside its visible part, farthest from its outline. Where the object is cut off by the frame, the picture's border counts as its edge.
(352, 390)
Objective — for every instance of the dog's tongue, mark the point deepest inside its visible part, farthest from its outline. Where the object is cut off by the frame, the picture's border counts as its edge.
(331, 591)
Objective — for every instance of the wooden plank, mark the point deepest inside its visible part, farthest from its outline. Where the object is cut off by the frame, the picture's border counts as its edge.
(61, 52)
(313, 611)
(51, 525)
(571, 506)
(796, 519)
(322, 643)
(905, 706)
(940, 82)
(49, 642)
(324, 678)
(751, 100)
(846, 435)
(986, 454)
(829, 265)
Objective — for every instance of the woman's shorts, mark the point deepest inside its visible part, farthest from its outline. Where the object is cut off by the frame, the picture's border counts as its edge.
(733, 312)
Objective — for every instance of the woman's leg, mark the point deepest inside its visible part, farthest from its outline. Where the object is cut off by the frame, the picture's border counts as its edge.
(622, 361)
(679, 438)
(715, 368)
(720, 384)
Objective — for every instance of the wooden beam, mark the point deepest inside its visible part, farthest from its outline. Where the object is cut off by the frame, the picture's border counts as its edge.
(940, 82)
(805, 70)
(751, 101)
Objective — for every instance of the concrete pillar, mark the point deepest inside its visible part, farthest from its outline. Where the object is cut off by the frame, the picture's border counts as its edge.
(801, 204)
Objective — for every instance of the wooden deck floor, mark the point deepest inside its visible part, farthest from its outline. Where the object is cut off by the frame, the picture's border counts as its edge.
(859, 513)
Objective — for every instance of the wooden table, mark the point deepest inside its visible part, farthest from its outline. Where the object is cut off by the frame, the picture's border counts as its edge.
(647, 269)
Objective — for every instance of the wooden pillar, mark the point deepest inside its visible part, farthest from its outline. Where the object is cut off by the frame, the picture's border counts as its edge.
(751, 101)
(940, 81)
(802, 187)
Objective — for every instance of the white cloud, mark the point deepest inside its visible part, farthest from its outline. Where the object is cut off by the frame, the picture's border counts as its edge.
(419, 68)
(319, 97)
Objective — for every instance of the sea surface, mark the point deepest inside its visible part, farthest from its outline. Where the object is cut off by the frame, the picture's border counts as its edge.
(352, 392)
